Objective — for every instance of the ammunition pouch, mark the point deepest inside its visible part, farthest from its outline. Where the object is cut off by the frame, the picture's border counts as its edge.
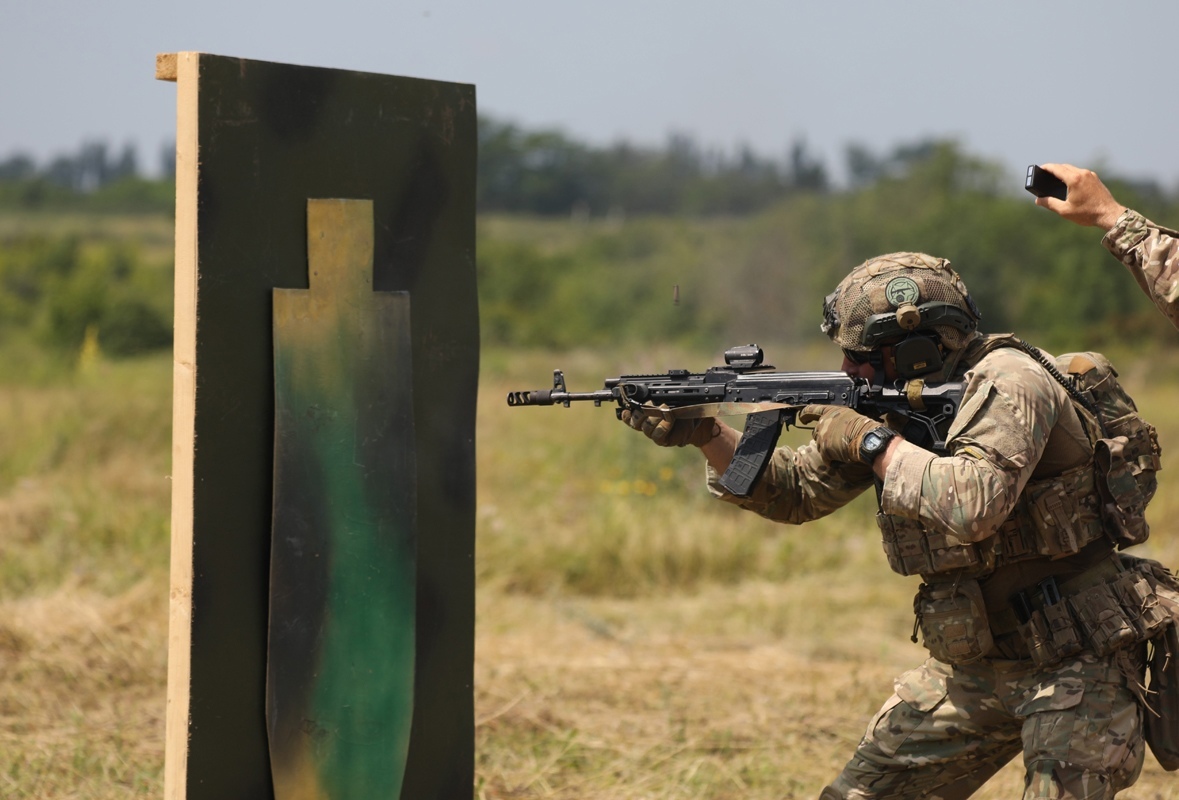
(1162, 715)
(1162, 712)
(952, 618)
(912, 549)
(1054, 517)
(1103, 610)
(1126, 482)
(1125, 446)
(1112, 606)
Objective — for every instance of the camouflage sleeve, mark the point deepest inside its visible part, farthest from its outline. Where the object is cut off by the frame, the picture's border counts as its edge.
(1151, 253)
(798, 486)
(1009, 408)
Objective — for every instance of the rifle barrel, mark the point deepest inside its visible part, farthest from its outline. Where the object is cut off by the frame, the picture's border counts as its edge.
(549, 397)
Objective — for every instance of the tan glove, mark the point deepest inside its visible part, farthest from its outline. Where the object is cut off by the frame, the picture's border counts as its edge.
(838, 431)
(673, 432)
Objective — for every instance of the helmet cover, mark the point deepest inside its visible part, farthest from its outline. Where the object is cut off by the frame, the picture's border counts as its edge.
(886, 283)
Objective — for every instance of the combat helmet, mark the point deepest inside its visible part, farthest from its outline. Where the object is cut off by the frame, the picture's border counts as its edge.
(909, 299)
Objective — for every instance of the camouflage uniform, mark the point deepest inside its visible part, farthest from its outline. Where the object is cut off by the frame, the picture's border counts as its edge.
(1151, 253)
(948, 728)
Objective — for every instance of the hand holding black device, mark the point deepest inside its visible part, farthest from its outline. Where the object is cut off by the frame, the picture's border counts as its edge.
(1043, 183)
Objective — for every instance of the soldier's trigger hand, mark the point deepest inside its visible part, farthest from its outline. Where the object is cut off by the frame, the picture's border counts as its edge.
(672, 432)
(838, 431)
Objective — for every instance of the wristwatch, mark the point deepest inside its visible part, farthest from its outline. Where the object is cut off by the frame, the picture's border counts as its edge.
(875, 442)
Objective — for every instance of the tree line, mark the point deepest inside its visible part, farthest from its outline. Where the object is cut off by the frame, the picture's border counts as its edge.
(96, 177)
(548, 173)
(543, 172)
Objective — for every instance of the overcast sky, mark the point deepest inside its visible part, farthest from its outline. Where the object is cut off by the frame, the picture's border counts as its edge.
(1082, 81)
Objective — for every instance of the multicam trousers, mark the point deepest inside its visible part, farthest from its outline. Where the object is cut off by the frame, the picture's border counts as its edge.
(947, 730)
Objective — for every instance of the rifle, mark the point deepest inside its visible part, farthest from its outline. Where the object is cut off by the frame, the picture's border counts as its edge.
(770, 399)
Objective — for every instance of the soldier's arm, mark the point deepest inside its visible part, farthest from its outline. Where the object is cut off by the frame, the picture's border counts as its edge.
(797, 486)
(996, 441)
(720, 449)
(1149, 251)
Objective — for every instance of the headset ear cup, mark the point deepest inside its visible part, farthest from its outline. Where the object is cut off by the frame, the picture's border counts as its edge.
(917, 354)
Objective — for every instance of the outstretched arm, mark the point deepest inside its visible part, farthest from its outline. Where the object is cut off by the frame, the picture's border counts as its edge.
(1149, 251)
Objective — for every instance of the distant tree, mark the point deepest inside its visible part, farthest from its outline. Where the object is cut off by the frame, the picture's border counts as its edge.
(126, 166)
(806, 172)
(863, 167)
(64, 171)
(542, 172)
(168, 160)
(92, 167)
(17, 167)
(546, 172)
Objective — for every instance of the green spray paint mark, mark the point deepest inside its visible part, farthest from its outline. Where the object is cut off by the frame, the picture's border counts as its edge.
(340, 669)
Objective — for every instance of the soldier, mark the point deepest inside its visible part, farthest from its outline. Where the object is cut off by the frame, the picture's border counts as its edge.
(1149, 251)
(1034, 623)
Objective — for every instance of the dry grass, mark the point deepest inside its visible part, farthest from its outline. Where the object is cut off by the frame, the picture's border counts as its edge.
(646, 644)
(597, 699)
(81, 693)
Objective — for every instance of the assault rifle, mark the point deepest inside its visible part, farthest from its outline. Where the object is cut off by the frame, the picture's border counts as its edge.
(770, 399)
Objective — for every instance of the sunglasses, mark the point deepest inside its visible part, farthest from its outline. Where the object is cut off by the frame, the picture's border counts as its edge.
(859, 356)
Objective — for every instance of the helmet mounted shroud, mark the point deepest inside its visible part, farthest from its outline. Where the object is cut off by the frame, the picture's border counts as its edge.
(879, 328)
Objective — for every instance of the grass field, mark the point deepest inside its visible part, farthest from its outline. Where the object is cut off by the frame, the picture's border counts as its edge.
(635, 639)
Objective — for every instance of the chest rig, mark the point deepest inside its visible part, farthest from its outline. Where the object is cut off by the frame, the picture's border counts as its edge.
(1055, 516)
(1105, 608)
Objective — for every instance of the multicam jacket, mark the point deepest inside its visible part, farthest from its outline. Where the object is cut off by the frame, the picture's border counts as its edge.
(1016, 425)
(1151, 253)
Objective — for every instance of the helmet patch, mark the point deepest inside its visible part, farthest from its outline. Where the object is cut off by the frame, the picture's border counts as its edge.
(900, 291)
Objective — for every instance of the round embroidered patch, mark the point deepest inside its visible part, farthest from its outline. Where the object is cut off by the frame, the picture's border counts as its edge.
(901, 290)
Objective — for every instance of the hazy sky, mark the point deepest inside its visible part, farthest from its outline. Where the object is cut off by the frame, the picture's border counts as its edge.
(1082, 81)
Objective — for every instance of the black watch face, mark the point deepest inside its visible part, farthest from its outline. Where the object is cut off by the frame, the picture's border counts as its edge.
(874, 441)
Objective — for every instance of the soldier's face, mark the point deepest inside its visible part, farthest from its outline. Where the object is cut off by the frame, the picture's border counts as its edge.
(857, 369)
(862, 368)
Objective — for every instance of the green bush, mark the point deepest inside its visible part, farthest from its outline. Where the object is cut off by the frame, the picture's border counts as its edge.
(56, 288)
